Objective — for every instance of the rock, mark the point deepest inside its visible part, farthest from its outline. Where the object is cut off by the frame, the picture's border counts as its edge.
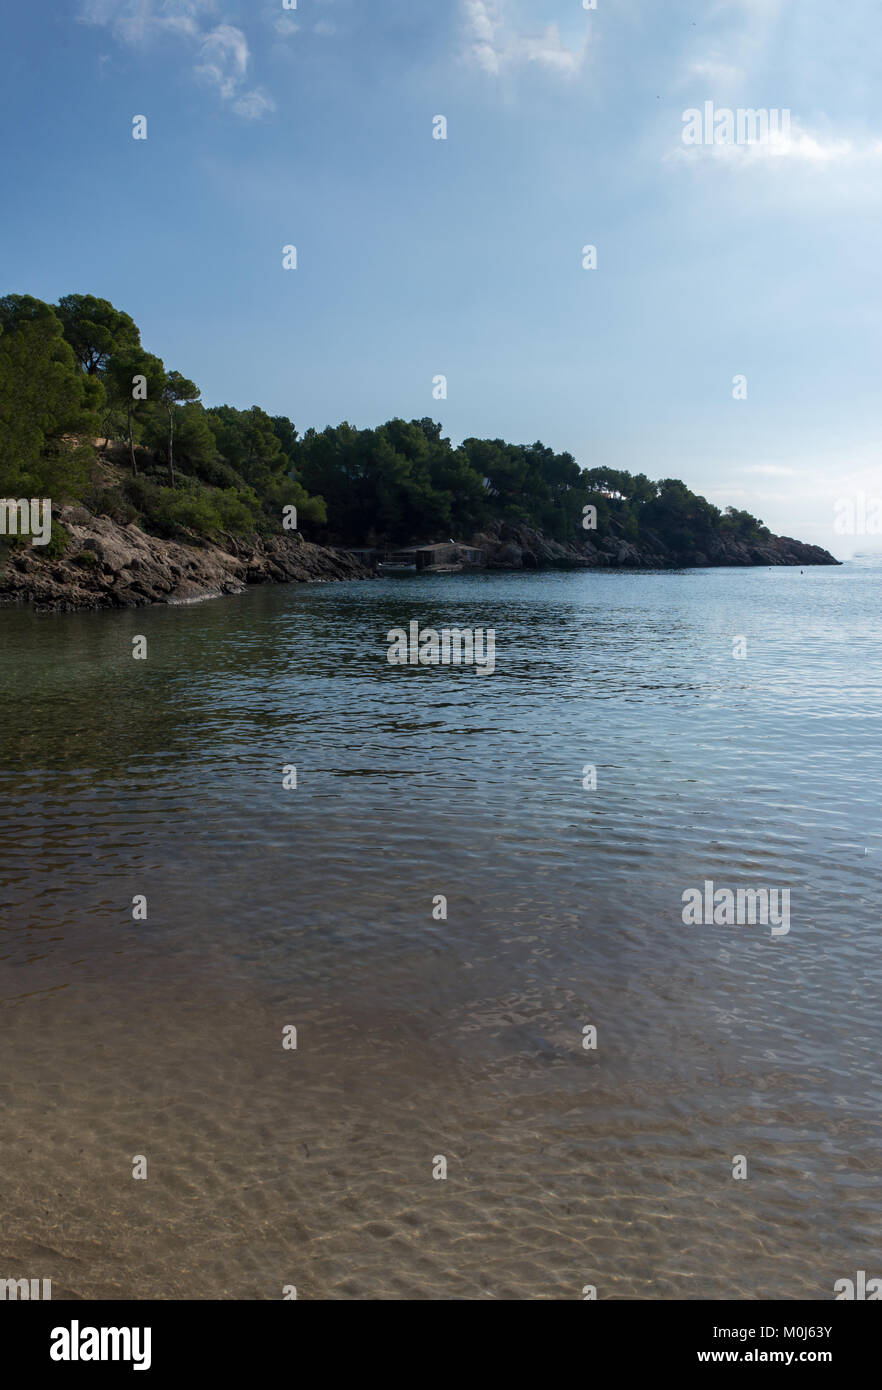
(133, 569)
(510, 546)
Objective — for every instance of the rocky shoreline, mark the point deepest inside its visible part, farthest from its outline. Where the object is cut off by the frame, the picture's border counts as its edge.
(509, 546)
(111, 565)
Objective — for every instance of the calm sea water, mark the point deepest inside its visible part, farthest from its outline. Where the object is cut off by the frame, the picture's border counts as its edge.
(461, 1038)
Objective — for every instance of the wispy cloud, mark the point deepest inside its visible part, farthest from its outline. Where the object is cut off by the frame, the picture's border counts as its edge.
(494, 43)
(221, 50)
(139, 21)
(254, 104)
(746, 51)
(714, 69)
(798, 144)
(286, 26)
(224, 55)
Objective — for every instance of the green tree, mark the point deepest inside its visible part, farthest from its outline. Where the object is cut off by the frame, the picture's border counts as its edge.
(331, 463)
(49, 412)
(176, 388)
(286, 434)
(249, 442)
(195, 444)
(133, 376)
(95, 329)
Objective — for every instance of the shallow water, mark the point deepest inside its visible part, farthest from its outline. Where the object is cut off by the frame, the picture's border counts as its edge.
(461, 1037)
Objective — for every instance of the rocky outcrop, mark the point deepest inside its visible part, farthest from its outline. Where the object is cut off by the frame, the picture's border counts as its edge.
(109, 565)
(510, 546)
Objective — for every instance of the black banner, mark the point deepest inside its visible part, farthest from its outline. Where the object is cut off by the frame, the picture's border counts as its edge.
(158, 1338)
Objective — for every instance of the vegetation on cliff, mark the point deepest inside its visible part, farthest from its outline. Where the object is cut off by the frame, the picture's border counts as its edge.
(76, 372)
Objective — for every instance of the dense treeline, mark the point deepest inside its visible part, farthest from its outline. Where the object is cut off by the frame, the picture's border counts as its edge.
(76, 372)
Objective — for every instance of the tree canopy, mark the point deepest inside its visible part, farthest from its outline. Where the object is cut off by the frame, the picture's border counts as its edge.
(76, 371)
(95, 330)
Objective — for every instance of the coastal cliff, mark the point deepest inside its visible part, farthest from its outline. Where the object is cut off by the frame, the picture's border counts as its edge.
(110, 565)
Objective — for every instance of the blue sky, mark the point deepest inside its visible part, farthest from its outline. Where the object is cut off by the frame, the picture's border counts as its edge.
(270, 126)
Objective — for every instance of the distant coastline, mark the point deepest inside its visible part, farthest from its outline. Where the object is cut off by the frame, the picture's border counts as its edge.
(509, 546)
(112, 564)
(183, 501)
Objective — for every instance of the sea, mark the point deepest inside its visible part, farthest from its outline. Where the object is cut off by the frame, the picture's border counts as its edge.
(325, 976)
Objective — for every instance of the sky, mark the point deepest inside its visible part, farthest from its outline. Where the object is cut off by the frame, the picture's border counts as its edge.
(313, 126)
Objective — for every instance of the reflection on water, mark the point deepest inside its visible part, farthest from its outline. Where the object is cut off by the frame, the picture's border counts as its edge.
(460, 1037)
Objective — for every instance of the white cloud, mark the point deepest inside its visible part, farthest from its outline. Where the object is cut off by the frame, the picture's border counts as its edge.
(287, 25)
(797, 53)
(496, 45)
(224, 54)
(221, 50)
(798, 144)
(252, 105)
(478, 17)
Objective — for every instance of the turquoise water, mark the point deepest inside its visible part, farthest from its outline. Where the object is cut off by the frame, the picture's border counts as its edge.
(420, 1037)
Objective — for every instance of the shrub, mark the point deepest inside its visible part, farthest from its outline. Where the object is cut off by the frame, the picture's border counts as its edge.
(114, 503)
(191, 510)
(237, 509)
(58, 541)
(142, 494)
